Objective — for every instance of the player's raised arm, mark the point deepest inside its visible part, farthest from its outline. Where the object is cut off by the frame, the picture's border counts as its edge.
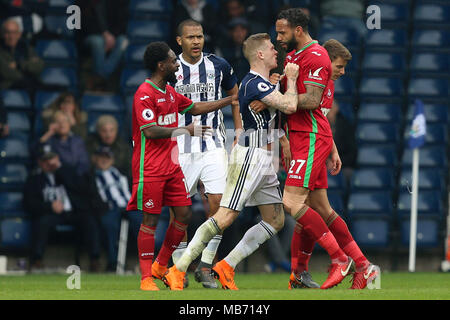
(287, 102)
(210, 106)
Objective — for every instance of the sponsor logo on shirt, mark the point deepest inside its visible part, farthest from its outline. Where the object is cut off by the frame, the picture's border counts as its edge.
(145, 97)
(161, 100)
(316, 74)
(164, 120)
(196, 88)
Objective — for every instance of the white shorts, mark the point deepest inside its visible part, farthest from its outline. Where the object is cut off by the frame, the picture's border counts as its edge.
(251, 179)
(210, 167)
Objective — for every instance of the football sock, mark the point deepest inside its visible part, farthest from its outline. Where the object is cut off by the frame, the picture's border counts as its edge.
(174, 235)
(179, 251)
(345, 240)
(146, 247)
(210, 251)
(201, 238)
(295, 244)
(305, 250)
(314, 225)
(252, 239)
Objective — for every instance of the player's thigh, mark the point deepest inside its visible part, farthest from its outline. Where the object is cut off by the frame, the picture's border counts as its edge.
(182, 214)
(214, 203)
(272, 214)
(214, 171)
(294, 199)
(147, 196)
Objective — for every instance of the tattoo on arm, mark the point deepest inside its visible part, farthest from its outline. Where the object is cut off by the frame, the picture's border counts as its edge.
(311, 99)
(284, 103)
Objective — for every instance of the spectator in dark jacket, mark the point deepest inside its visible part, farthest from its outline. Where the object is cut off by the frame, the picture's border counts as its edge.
(20, 66)
(69, 146)
(53, 195)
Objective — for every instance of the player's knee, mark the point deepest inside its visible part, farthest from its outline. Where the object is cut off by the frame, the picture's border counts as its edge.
(183, 215)
(150, 220)
(224, 217)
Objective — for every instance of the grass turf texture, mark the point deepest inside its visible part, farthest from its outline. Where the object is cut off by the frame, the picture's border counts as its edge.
(402, 286)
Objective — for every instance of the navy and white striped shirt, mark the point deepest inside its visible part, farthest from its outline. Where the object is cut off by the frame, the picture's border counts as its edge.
(203, 81)
(113, 187)
(260, 128)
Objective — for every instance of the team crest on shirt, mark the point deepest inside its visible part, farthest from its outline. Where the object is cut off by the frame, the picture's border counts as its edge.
(210, 75)
(329, 93)
(148, 114)
(172, 99)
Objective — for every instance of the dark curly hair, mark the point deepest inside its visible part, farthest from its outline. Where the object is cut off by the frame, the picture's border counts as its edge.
(154, 53)
(295, 17)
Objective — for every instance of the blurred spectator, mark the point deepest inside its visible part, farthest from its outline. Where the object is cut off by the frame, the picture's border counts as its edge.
(66, 102)
(231, 50)
(4, 128)
(106, 135)
(55, 195)
(104, 34)
(200, 11)
(20, 66)
(69, 146)
(114, 189)
(348, 13)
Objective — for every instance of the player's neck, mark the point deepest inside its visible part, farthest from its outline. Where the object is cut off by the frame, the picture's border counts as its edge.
(190, 59)
(159, 82)
(304, 41)
(260, 69)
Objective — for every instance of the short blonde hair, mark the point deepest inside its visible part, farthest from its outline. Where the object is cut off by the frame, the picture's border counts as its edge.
(336, 49)
(106, 119)
(253, 43)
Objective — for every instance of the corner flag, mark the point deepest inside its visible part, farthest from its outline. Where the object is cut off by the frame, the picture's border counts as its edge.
(418, 126)
(416, 140)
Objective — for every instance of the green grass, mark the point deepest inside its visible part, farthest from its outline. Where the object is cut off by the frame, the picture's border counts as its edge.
(403, 286)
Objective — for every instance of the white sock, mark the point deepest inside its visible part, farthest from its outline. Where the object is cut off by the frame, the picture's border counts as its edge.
(252, 239)
(200, 240)
(210, 251)
(179, 251)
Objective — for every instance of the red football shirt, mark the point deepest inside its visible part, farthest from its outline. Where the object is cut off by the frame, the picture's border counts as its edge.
(153, 106)
(315, 70)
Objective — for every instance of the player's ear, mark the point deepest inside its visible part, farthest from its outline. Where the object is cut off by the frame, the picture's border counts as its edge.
(298, 30)
(178, 38)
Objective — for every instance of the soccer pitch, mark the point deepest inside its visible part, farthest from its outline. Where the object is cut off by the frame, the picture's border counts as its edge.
(394, 286)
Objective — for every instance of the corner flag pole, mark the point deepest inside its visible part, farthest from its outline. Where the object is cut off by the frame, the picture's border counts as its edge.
(416, 140)
(413, 221)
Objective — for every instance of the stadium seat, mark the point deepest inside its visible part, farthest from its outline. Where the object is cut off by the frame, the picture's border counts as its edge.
(430, 65)
(131, 79)
(386, 40)
(16, 100)
(383, 64)
(429, 202)
(344, 87)
(377, 156)
(354, 64)
(140, 9)
(370, 232)
(430, 15)
(19, 122)
(57, 53)
(15, 233)
(109, 103)
(427, 232)
(429, 156)
(12, 177)
(380, 112)
(394, 15)
(59, 7)
(372, 179)
(346, 36)
(429, 179)
(134, 55)
(381, 133)
(14, 148)
(11, 205)
(378, 87)
(43, 99)
(60, 77)
(56, 26)
(371, 203)
(145, 31)
(428, 88)
(430, 40)
(337, 183)
(437, 134)
(434, 113)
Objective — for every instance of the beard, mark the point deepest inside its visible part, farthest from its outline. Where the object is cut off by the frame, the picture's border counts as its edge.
(171, 78)
(291, 44)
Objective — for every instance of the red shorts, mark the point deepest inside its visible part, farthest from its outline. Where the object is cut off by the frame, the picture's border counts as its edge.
(157, 192)
(308, 167)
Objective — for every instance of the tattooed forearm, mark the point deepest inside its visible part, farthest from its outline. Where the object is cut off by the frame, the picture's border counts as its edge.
(311, 99)
(286, 103)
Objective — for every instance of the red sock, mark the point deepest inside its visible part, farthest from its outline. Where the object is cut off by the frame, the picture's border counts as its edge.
(174, 235)
(317, 229)
(304, 252)
(295, 243)
(146, 249)
(345, 240)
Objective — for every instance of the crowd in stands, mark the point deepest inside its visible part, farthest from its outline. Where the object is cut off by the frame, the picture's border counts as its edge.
(74, 87)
